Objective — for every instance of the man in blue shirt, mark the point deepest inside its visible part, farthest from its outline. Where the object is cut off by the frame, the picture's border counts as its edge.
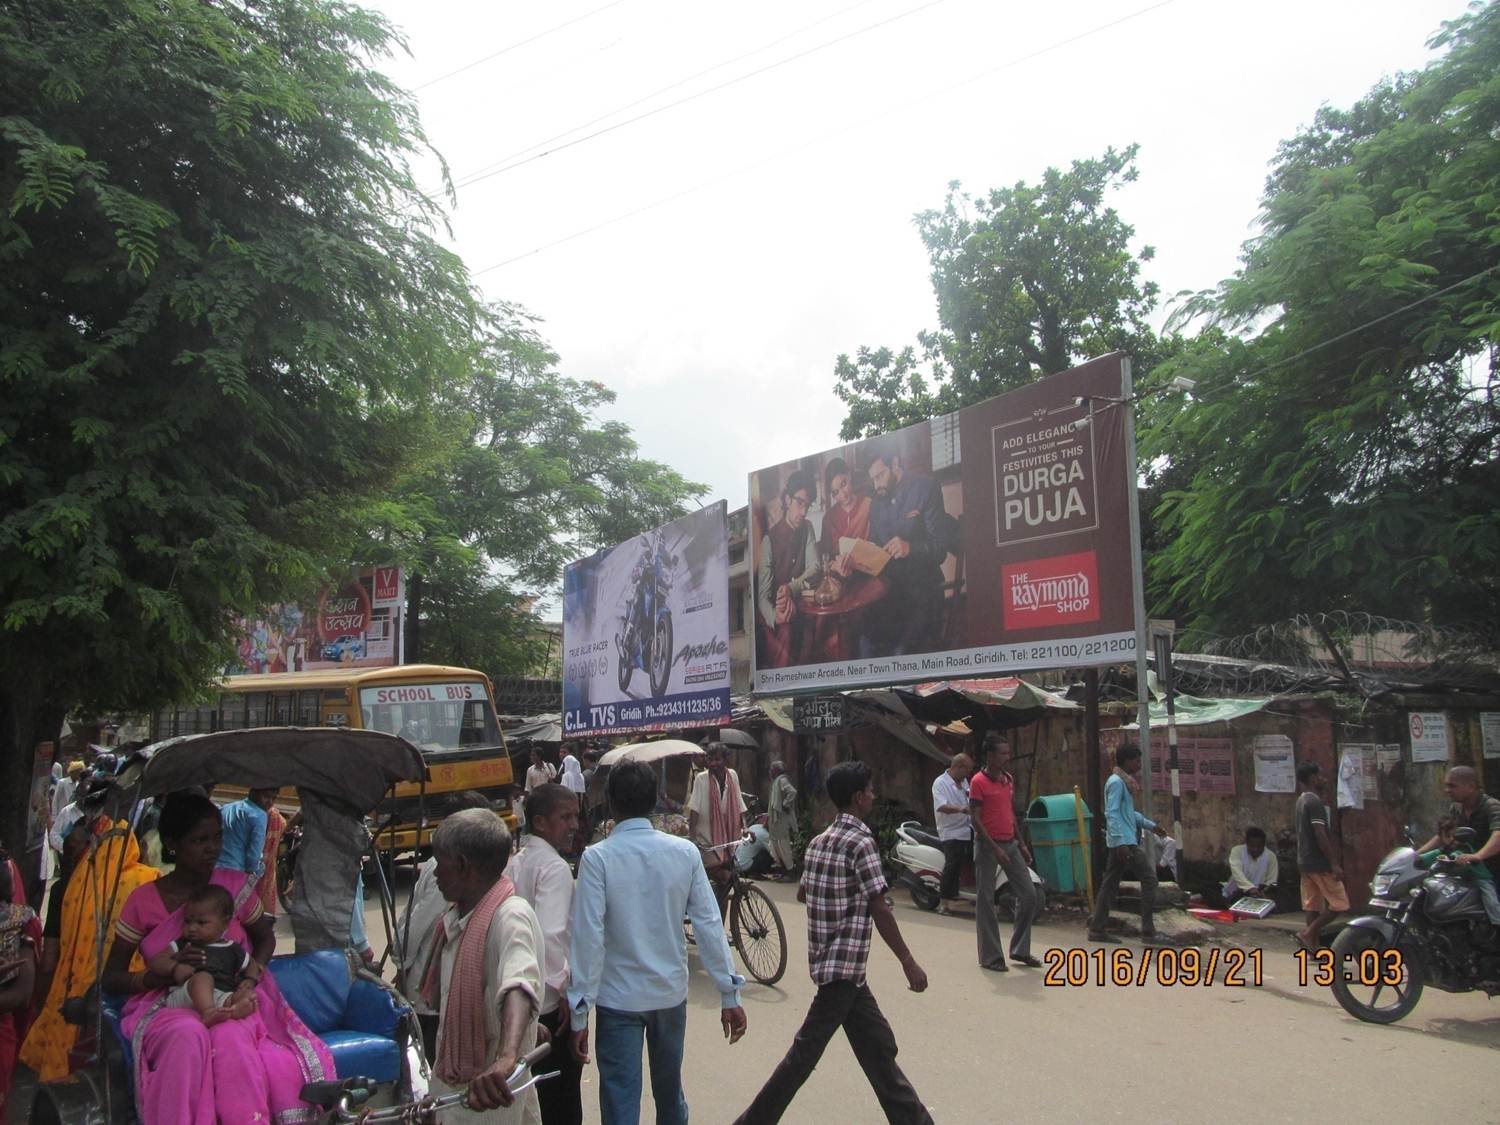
(1122, 839)
(245, 833)
(628, 954)
(909, 523)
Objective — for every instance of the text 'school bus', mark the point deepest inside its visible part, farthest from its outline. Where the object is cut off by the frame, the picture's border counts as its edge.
(448, 713)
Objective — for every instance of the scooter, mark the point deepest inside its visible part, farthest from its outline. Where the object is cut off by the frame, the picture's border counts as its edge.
(918, 855)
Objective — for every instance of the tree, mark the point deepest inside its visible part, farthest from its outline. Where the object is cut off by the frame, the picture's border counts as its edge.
(525, 480)
(1342, 454)
(222, 317)
(1029, 281)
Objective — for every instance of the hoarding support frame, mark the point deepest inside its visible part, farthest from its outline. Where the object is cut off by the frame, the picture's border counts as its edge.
(1138, 583)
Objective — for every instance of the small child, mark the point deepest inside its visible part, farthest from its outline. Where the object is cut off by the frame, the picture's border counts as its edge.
(208, 986)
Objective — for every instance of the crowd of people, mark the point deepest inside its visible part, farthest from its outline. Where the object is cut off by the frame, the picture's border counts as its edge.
(502, 947)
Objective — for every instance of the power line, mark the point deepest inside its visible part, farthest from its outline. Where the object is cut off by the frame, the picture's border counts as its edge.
(472, 177)
(520, 43)
(495, 171)
(824, 137)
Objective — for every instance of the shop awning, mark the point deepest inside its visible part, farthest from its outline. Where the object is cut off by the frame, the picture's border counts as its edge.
(1193, 711)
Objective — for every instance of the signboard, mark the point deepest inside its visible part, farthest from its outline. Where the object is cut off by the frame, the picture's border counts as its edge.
(985, 542)
(646, 631)
(1429, 736)
(358, 624)
(819, 714)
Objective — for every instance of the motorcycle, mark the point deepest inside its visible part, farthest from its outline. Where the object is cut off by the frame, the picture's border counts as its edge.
(645, 640)
(918, 856)
(1432, 929)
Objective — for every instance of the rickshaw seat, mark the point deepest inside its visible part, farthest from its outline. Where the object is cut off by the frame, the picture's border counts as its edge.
(355, 1018)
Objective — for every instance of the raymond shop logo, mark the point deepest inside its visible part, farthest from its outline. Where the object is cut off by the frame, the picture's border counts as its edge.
(1058, 591)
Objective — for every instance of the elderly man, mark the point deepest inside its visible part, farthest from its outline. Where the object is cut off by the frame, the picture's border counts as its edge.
(628, 953)
(716, 818)
(1253, 869)
(781, 817)
(950, 808)
(544, 879)
(1480, 813)
(485, 971)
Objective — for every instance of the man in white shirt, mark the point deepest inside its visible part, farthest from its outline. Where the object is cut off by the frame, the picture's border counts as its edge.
(543, 878)
(716, 819)
(950, 806)
(1253, 869)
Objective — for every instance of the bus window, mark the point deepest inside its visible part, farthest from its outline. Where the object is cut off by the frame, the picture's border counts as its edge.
(255, 709)
(231, 711)
(425, 716)
(308, 708)
(281, 709)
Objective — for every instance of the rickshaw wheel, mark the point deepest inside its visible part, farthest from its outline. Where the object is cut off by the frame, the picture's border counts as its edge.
(757, 932)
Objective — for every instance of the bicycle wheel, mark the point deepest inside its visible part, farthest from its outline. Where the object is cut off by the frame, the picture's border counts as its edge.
(756, 929)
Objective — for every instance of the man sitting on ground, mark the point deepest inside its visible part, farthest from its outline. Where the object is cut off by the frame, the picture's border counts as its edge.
(1253, 869)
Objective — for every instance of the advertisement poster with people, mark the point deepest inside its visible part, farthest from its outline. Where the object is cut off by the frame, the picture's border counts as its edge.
(992, 540)
(646, 631)
(357, 624)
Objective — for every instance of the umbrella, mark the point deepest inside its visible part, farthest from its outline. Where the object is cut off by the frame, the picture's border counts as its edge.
(651, 751)
(731, 737)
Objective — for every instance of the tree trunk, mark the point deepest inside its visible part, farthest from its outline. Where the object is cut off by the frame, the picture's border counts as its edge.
(414, 619)
(27, 719)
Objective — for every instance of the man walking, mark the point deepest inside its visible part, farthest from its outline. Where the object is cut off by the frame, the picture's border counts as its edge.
(1122, 836)
(992, 799)
(844, 889)
(628, 954)
(950, 807)
(1318, 859)
(543, 878)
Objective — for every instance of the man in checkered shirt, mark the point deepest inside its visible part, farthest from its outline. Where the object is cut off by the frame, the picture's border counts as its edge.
(844, 889)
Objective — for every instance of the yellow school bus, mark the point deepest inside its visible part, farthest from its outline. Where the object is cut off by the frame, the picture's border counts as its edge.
(448, 713)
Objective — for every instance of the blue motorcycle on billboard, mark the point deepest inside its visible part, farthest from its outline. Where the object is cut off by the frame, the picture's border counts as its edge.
(645, 640)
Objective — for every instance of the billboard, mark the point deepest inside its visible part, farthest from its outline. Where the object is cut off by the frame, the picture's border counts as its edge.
(357, 624)
(646, 631)
(984, 542)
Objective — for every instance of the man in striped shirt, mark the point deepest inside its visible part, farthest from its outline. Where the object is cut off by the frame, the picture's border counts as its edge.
(844, 889)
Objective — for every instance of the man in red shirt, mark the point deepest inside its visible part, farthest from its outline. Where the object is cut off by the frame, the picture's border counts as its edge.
(992, 806)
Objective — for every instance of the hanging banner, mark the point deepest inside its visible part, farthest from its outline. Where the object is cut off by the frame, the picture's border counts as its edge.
(357, 624)
(646, 631)
(985, 542)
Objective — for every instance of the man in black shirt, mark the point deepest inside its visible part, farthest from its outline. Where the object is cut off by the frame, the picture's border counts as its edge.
(1480, 813)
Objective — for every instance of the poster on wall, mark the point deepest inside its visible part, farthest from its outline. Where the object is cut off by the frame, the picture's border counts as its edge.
(1429, 736)
(356, 624)
(1275, 766)
(1489, 733)
(984, 542)
(1205, 765)
(646, 631)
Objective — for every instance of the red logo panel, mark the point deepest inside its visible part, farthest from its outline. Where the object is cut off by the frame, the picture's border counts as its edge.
(1061, 590)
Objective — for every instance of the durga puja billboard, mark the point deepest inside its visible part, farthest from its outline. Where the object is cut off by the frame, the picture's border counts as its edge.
(988, 541)
(355, 624)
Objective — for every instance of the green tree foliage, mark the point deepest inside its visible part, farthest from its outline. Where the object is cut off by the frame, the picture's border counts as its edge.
(1342, 453)
(1029, 281)
(525, 479)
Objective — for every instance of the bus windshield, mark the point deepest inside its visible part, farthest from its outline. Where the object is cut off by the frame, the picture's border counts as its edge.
(437, 716)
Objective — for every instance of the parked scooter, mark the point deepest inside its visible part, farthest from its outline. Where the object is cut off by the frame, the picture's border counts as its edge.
(1431, 930)
(918, 856)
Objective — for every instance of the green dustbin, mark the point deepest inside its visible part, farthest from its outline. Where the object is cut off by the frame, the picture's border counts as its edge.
(1059, 853)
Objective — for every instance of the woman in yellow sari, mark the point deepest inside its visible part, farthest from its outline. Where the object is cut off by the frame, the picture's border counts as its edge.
(91, 907)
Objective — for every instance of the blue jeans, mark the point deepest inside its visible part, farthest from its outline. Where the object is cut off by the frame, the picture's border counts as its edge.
(617, 1049)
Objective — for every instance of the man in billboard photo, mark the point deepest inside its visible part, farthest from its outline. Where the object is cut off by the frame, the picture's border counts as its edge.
(908, 522)
(788, 564)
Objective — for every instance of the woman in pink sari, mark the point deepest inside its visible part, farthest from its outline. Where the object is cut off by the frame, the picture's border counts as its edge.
(242, 1070)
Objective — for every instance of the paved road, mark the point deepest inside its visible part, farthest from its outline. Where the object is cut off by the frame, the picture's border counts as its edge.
(983, 1047)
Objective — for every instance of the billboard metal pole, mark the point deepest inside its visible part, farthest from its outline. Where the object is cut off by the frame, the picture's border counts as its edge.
(1138, 584)
(1161, 644)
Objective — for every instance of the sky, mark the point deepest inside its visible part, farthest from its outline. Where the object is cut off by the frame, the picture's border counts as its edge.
(709, 262)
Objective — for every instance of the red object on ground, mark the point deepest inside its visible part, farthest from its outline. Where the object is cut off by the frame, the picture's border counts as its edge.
(1210, 915)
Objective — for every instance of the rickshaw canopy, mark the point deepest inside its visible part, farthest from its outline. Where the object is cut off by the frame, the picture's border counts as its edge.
(651, 751)
(352, 766)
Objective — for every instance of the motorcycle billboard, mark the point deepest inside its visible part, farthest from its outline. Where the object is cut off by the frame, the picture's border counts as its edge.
(985, 542)
(646, 631)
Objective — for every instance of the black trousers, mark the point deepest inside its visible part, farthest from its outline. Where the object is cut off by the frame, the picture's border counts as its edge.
(842, 1004)
(954, 852)
(561, 1098)
(1132, 862)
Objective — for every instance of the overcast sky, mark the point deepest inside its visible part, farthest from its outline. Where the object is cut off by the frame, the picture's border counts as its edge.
(775, 216)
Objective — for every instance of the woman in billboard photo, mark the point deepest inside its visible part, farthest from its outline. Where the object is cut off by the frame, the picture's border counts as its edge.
(787, 565)
(848, 514)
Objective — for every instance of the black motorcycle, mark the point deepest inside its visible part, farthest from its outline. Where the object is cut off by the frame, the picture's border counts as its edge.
(1433, 930)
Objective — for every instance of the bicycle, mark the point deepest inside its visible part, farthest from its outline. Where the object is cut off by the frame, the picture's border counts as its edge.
(755, 929)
